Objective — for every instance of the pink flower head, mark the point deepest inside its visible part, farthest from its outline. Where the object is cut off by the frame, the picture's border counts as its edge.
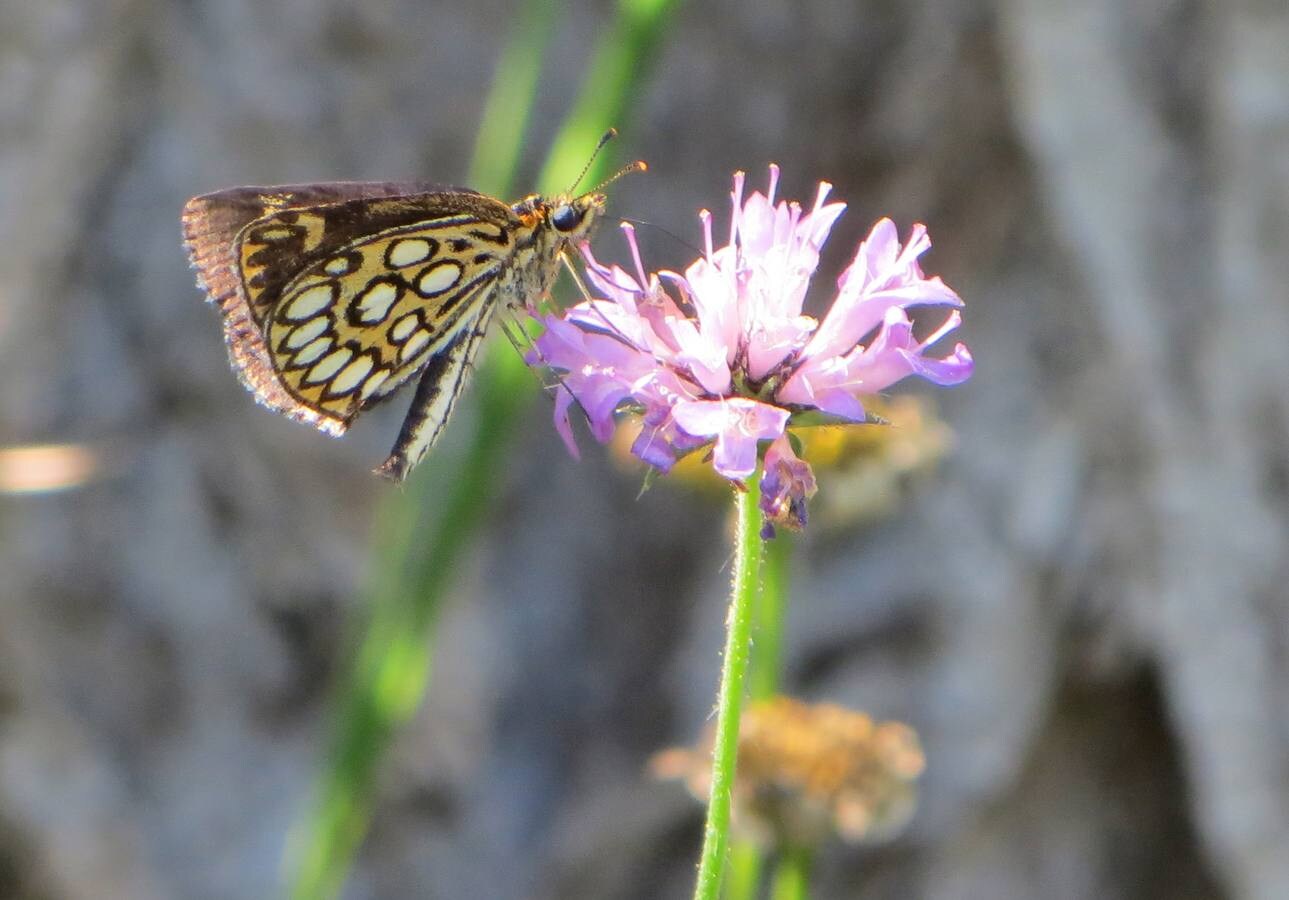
(723, 355)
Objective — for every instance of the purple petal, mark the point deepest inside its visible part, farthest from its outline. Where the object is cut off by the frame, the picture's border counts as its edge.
(874, 255)
(660, 439)
(893, 355)
(881, 276)
(772, 340)
(817, 225)
(611, 281)
(756, 224)
(886, 360)
(652, 446)
(711, 289)
(600, 372)
(600, 396)
(841, 403)
(820, 383)
(564, 400)
(786, 485)
(737, 424)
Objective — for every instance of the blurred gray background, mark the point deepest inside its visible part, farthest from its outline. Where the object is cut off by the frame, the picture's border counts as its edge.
(1082, 612)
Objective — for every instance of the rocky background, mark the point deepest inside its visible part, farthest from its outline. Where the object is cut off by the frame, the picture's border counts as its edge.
(1082, 612)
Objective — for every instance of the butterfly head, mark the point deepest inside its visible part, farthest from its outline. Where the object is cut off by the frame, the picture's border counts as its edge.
(573, 217)
(570, 216)
(564, 221)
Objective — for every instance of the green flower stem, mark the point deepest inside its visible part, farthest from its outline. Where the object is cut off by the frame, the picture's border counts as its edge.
(746, 861)
(792, 875)
(747, 565)
(422, 533)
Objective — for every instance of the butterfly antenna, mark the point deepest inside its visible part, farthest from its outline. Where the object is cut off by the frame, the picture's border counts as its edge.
(604, 139)
(638, 166)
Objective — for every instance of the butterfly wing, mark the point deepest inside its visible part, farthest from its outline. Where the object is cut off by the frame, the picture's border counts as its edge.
(436, 394)
(333, 295)
(211, 225)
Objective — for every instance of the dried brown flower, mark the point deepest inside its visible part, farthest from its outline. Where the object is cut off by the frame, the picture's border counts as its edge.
(806, 770)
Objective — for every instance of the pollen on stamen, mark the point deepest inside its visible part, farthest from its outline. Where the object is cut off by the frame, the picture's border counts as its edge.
(952, 321)
(642, 279)
(705, 216)
(774, 183)
(821, 196)
(737, 211)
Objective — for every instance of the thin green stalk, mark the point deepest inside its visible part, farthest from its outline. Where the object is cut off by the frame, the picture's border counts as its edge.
(615, 69)
(422, 533)
(747, 565)
(392, 666)
(507, 110)
(792, 874)
(746, 860)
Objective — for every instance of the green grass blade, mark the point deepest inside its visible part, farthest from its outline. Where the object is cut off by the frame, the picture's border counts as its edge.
(422, 534)
(507, 110)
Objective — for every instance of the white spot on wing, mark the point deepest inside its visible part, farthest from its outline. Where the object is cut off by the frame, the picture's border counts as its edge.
(375, 381)
(374, 303)
(302, 334)
(310, 302)
(414, 343)
(328, 366)
(403, 327)
(337, 265)
(438, 278)
(350, 376)
(408, 251)
(312, 352)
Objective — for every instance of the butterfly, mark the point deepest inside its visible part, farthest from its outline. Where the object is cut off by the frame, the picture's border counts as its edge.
(335, 294)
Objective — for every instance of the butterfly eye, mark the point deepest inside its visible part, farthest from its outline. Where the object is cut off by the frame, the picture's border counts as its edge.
(566, 218)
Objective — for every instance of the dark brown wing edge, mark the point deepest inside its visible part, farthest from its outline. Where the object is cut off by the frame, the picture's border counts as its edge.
(211, 223)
